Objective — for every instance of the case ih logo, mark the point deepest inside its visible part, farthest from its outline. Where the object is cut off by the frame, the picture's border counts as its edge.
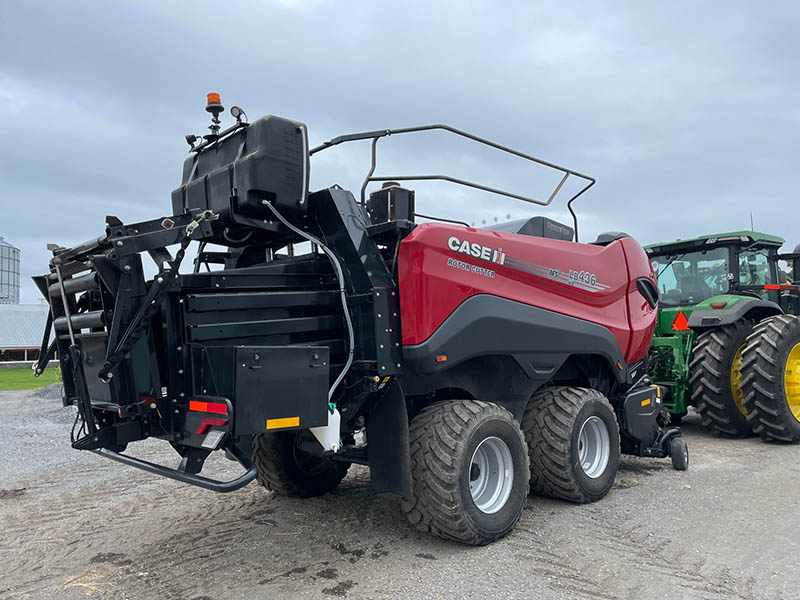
(476, 250)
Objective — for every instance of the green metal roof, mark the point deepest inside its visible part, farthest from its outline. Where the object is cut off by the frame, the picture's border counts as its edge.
(753, 236)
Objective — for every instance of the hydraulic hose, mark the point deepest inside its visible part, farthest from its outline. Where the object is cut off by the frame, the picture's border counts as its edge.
(340, 276)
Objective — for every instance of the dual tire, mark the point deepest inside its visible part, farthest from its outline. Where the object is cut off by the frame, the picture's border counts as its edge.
(473, 465)
(745, 378)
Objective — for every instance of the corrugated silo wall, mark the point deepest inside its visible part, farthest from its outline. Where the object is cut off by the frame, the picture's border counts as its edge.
(9, 273)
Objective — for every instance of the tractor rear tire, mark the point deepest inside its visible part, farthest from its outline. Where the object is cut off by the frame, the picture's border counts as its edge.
(573, 443)
(286, 469)
(469, 466)
(714, 379)
(771, 378)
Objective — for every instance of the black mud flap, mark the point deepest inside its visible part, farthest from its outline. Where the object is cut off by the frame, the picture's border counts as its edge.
(387, 443)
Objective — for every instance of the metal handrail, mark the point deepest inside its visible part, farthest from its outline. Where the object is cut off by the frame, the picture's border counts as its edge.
(377, 135)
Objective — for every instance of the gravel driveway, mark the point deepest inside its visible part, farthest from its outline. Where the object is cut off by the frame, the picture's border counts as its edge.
(74, 525)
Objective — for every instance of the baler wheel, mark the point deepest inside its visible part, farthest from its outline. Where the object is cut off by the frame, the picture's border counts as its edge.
(715, 379)
(679, 454)
(469, 466)
(771, 378)
(573, 443)
(286, 469)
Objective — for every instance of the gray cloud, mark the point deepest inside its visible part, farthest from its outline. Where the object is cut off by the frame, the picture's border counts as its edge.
(687, 113)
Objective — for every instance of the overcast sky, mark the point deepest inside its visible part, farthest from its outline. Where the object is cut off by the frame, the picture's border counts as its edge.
(687, 113)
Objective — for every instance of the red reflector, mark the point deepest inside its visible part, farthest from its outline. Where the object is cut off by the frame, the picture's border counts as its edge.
(207, 424)
(719, 304)
(772, 286)
(209, 407)
(681, 323)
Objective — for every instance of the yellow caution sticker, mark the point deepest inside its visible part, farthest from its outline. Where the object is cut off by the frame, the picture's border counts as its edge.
(646, 402)
(283, 423)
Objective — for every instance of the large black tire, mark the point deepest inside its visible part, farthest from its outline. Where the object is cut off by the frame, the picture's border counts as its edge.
(287, 470)
(444, 439)
(771, 378)
(712, 371)
(553, 422)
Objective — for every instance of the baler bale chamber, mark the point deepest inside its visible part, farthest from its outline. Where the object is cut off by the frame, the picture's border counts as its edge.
(209, 358)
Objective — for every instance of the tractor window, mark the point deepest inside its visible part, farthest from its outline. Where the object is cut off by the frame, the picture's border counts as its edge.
(687, 279)
(755, 268)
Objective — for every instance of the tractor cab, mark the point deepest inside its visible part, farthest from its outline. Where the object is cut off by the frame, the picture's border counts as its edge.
(713, 272)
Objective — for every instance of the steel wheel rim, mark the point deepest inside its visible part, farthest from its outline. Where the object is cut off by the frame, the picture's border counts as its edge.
(791, 381)
(594, 447)
(736, 381)
(491, 475)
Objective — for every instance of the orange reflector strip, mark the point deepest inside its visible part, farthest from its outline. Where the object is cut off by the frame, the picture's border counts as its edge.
(285, 422)
(441, 358)
(213, 97)
(209, 407)
(719, 304)
(681, 323)
(646, 402)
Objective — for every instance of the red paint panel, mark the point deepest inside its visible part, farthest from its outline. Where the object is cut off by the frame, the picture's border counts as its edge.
(641, 316)
(536, 271)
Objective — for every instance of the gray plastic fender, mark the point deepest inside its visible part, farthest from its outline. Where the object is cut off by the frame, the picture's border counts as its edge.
(759, 309)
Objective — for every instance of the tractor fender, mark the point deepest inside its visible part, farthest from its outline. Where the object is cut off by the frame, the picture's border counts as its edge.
(746, 308)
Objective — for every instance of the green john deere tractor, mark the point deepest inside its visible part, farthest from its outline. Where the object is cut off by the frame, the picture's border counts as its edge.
(727, 339)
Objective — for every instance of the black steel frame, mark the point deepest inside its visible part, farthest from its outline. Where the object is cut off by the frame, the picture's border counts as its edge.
(375, 136)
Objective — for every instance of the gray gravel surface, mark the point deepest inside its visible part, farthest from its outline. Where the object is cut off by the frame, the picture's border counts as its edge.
(74, 525)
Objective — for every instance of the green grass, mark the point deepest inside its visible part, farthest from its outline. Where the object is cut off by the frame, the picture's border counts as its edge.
(22, 378)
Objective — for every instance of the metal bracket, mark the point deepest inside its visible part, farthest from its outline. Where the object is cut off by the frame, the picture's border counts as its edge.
(184, 477)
